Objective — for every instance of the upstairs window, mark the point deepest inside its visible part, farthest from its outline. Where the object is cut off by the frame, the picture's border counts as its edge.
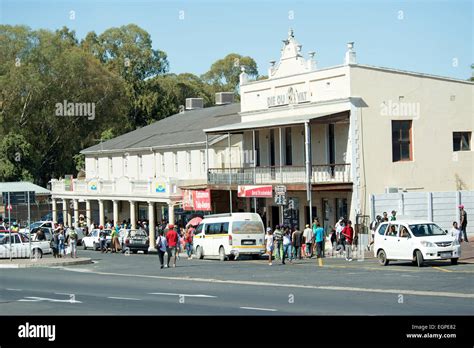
(402, 141)
(461, 141)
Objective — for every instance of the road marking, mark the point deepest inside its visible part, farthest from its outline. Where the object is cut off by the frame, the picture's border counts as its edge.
(259, 309)
(124, 298)
(14, 289)
(300, 286)
(442, 269)
(174, 294)
(38, 299)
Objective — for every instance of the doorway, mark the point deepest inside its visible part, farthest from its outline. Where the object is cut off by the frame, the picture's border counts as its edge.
(275, 216)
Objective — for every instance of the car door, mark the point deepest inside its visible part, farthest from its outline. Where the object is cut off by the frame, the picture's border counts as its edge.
(390, 241)
(404, 244)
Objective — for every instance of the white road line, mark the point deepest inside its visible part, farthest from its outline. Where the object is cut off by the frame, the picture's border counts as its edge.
(260, 309)
(38, 299)
(175, 294)
(298, 286)
(14, 289)
(124, 298)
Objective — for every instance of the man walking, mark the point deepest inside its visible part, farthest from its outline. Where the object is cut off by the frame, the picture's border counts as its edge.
(72, 235)
(319, 238)
(308, 240)
(348, 233)
(172, 241)
(296, 238)
(278, 237)
(161, 247)
(463, 222)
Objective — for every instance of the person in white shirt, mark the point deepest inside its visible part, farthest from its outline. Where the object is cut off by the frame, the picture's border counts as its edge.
(92, 227)
(308, 240)
(456, 232)
(270, 244)
(161, 247)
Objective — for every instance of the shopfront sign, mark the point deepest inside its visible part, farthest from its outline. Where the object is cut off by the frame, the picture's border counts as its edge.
(292, 96)
(197, 200)
(257, 191)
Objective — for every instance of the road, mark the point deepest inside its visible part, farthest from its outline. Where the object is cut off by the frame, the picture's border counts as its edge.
(117, 284)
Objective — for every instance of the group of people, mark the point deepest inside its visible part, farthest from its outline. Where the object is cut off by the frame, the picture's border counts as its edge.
(169, 242)
(62, 237)
(290, 243)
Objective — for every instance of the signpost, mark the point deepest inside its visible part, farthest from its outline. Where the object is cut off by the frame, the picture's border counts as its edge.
(280, 195)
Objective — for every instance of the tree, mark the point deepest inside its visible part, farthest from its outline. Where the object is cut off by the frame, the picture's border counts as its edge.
(223, 75)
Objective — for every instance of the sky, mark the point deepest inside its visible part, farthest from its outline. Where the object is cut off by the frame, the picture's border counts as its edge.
(434, 37)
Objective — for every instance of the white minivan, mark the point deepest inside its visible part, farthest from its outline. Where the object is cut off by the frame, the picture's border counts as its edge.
(229, 235)
(414, 241)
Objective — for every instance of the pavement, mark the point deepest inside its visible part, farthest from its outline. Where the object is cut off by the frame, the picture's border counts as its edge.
(46, 261)
(119, 284)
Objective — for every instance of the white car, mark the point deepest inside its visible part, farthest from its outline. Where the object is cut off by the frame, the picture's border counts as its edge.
(415, 241)
(20, 246)
(38, 224)
(93, 240)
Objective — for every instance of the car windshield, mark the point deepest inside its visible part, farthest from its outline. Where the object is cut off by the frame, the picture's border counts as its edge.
(247, 227)
(35, 224)
(3, 238)
(424, 230)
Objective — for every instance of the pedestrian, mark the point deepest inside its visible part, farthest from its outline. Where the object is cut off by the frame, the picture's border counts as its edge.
(333, 239)
(103, 241)
(308, 240)
(62, 249)
(456, 232)
(72, 242)
(161, 248)
(463, 222)
(385, 216)
(270, 245)
(297, 240)
(114, 243)
(172, 242)
(319, 238)
(286, 246)
(92, 227)
(373, 227)
(348, 233)
(393, 217)
(278, 238)
(55, 244)
(188, 239)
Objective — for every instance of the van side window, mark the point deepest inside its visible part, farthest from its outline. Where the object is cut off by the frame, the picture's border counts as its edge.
(213, 228)
(225, 227)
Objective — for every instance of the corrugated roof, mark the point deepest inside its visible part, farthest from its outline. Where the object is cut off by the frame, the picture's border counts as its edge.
(182, 128)
(22, 186)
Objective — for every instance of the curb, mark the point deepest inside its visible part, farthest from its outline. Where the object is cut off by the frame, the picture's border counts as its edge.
(82, 261)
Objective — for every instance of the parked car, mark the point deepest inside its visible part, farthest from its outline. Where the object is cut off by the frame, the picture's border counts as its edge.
(37, 224)
(134, 240)
(20, 246)
(415, 241)
(93, 241)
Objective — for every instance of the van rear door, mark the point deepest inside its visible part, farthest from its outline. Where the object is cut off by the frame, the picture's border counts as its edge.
(247, 233)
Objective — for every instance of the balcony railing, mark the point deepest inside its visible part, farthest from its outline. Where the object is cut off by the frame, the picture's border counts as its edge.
(121, 186)
(326, 173)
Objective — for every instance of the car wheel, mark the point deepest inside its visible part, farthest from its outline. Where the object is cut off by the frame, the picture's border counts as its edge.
(419, 258)
(454, 261)
(95, 246)
(37, 254)
(199, 254)
(145, 251)
(221, 254)
(256, 257)
(134, 251)
(382, 258)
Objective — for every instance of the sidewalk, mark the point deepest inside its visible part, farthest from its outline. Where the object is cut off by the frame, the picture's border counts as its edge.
(48, 261)
(467, 251)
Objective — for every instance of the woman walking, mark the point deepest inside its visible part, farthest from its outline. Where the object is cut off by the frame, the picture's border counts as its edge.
(270, 245)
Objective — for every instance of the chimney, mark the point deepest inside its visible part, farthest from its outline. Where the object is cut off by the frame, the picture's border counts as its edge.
(194, 103)
(350, 54)
(224, 98)
(243, 77)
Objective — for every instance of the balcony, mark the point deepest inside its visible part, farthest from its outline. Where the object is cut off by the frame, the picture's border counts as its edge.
(153, 188)
(321, 174)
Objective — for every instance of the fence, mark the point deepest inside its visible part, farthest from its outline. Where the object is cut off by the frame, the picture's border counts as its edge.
(439, 207)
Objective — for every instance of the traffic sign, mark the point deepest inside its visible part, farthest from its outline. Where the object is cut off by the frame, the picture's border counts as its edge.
(280, 190)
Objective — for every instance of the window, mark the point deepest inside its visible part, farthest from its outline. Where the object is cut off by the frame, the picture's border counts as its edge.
(257, 148)
(198, 229)
(175, 159)
(382, 229)
(271, 144)
(188, 160)
(96, 163)
(401, 141)
(162, 159)
(392, 230)
(288, 148)
(203, 161)
(110, 166)
(461, 141)
(140, 163)
(125, 165)
(331, 144)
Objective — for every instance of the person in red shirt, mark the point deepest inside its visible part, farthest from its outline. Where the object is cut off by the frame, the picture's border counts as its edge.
(348, 233)
(188, 239)
(172, 241)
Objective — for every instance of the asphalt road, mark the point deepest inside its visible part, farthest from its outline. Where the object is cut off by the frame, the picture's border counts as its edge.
(116, 284)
